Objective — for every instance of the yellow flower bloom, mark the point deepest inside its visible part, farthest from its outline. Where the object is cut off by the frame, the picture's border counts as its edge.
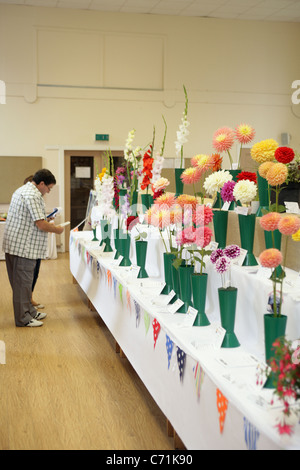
(296, 236)
(264, 151)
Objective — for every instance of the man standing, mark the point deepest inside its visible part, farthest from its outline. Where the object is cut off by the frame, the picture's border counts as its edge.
(25, 241)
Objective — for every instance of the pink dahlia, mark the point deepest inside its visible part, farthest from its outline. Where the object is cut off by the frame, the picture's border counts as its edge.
(186, 237)
(244, 133)
(191, 175)
(203, 215)
(227, 191)
(203, 236)
(223, 139)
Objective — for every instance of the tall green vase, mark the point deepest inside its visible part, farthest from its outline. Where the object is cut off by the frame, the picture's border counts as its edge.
(175, 284)
(106, 235)
(117, 242)
(147, 201)
(220, 227)
(274, 328)
(273, 240)
(141, 254)
(125, 241)
(178, 181)
(264, 195)
(227, 302)
(168, 261)
(199, 289)
(95, 239)
(185, 281)
(247, 232)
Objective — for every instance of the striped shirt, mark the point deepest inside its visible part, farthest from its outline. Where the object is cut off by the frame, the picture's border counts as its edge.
(21, 236)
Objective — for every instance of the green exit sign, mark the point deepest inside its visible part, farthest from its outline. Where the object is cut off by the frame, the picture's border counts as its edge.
(103, 137)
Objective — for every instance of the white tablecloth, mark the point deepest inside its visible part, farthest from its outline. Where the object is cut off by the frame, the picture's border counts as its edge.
(130, 309)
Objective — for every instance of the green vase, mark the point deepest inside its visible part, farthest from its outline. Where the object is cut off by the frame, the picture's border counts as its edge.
(125, 241)
(106, 235)
(247, 232)
(134, 201)
(178, 181)
(168, 261)
(95, 239)
(175, 284)
(141, 254)
(117, 242)
(234, 174)
(274, 328)
(227, 302)
(264, 195)
(220, 227)
(147, 201)
(185, 282)
(199, 289)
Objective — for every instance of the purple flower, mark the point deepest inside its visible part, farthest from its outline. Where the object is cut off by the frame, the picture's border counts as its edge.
(227, 191)
(232, 251)
(222, 265)
(216, 255)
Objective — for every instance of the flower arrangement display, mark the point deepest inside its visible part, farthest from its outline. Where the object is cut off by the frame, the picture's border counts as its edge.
(264, 151)
(225, 137)
(183, 132)
(285, 370)
(245, 191)
(215, 182)
(200, 165)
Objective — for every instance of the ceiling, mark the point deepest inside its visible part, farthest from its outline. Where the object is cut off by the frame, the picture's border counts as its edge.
(261, 10)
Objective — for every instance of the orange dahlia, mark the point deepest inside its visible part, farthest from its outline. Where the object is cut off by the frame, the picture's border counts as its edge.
(277, 174)
(271, 258)
(264, 168)
(244, 133)
(165, 200)
(186, 200)
(270, 221)
(216, 162)
(223, 139)
(289, 225)
(191, 175)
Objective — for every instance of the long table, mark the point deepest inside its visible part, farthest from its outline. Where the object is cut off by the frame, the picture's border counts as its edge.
(209, 394)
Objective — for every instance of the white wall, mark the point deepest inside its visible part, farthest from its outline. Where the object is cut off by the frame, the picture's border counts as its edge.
(123, 71)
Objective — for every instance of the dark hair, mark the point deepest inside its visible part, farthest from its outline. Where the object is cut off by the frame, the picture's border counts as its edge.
(44, 175)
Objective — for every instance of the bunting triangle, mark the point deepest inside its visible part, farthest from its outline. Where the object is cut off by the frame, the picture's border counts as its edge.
(222, 404)
(169, 346)
(181, 357)
(146, 321)
(251, 435)
(156, 330)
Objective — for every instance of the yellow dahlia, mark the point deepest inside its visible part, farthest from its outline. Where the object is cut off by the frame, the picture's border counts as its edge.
(296, 236)
(264, 151)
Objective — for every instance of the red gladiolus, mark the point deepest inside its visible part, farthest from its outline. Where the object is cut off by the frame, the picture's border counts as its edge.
(147, 169)
(131, 222)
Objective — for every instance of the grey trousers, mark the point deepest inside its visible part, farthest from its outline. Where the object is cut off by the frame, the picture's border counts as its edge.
(20, 273)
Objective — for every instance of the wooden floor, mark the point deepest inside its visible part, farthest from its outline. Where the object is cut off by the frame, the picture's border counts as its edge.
(63, 386)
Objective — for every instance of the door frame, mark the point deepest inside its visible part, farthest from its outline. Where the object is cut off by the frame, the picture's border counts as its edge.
(98, 155)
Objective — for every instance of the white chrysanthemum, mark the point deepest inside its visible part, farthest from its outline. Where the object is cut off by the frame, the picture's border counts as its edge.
(215, 182)
(245, 191)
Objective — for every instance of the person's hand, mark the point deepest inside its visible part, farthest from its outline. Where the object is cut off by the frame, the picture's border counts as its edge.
(59, 229)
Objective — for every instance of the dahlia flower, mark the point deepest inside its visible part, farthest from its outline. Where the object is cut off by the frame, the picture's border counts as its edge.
(271, 258)
(223, 139)
(270, 221)
(232, 251)
(191, 176)
(223, 264)
(214, 182)
(277, 174)
(160, 184)
(289, 225)
(165, 200)
(187, 236)
(216, 162)
(218, 253)
(245, 191)
(160, 218)
(264, 168)
(203, 236)
(203, 215)
(284, 155)
(264, 151)
(244, 133)
(296, 236)
(247, 175)
(227, 191)
(185, 200)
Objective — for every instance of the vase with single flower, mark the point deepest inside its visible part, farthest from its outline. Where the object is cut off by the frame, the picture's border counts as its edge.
(125, 241)
(106, 235)
(227, 303)
(199, 290)
(141, 254)
(247, 232)
(95, 239)
(220, 222)
(147, 201)
(178, 181)
(274, 328)
(168, 261)
(185, 281)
